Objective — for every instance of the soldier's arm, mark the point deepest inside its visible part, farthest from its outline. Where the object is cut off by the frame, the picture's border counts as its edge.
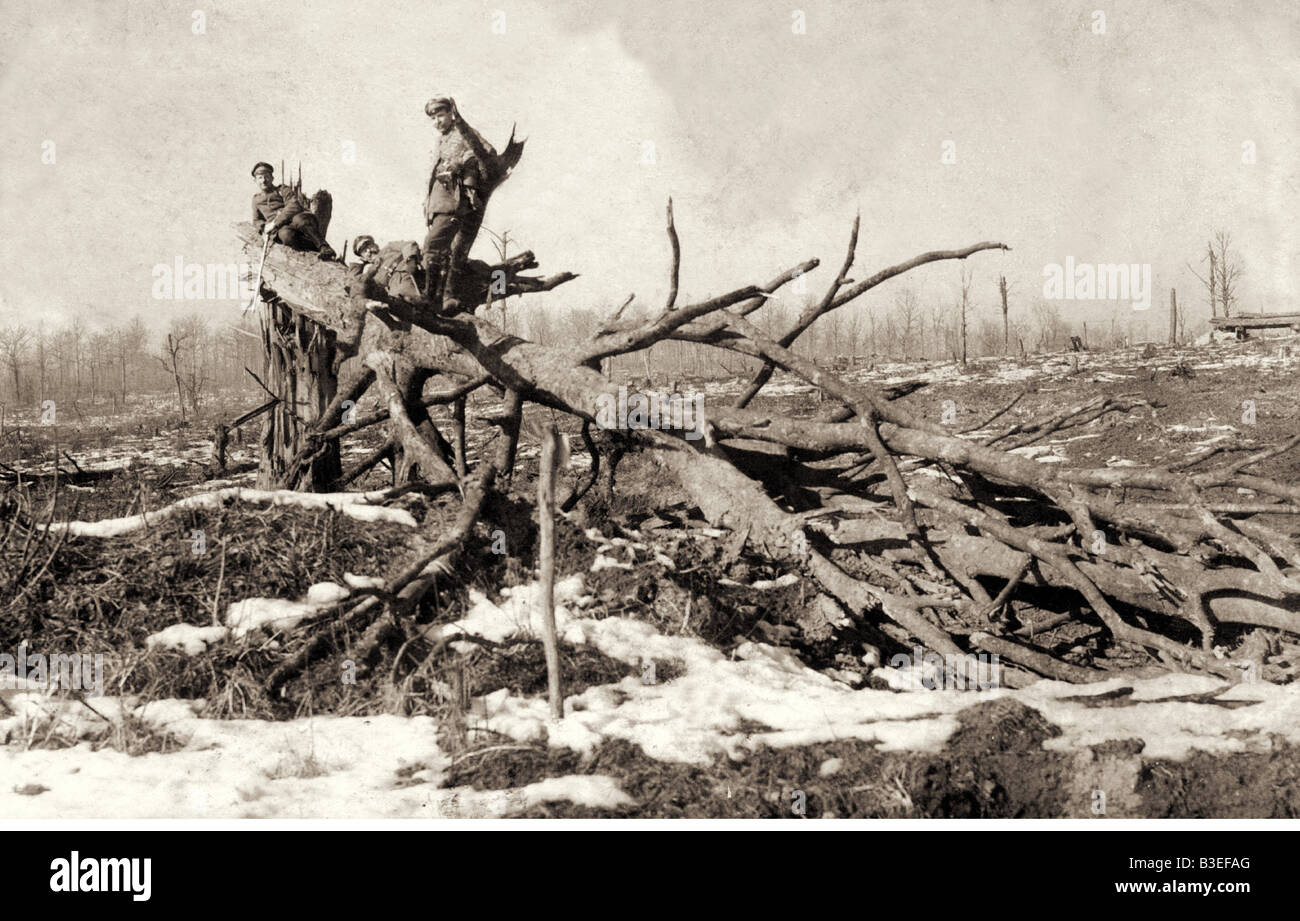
(292, 205)
(433, 176)
(483, 153)
(258, 221)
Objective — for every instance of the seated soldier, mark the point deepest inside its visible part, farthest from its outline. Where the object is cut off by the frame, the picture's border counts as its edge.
(279, 211)
(393, 268)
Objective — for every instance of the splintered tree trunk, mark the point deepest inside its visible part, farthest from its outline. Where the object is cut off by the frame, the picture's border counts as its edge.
(1173, 317)
(298, 362)
(1213, 285)
(1006, 328)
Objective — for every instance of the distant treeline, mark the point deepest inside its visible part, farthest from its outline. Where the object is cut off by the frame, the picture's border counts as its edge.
(198, 353)
(104, 367)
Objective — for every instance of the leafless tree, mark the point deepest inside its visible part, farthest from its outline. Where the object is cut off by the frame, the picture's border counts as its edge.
(906, 307)
(14, 342)
(1049, 323)
(1224, 273)
(967, 273)
(175, 345)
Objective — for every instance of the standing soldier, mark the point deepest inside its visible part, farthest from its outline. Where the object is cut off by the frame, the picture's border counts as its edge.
(278, 211)
(453, 207)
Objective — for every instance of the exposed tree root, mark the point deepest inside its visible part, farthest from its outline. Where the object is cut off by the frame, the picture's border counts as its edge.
(1176, 549)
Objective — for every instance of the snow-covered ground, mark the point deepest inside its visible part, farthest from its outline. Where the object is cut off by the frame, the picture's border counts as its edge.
(319, 767)
(363, 506)
(719, 705)
(1100, 367)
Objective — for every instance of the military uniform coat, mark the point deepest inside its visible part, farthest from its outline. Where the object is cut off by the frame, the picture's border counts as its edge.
(393, 269)
(280, 202)
(455, 169)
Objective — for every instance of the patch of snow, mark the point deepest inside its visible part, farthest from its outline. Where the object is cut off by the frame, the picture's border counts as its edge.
(594, 790)
(699, 715)
(362, 582)
(326, 593)
(356, 505)
(275, 614)
(320, 767)
(607, 562)
(186, 638)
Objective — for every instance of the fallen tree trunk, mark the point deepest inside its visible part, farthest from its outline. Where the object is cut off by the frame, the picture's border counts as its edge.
(1175, 551)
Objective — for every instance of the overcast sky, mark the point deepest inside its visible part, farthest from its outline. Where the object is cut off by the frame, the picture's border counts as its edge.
(1125, 146)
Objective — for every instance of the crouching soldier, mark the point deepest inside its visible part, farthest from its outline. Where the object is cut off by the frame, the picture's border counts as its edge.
(278, 211)
(453, 206)
(393, 268)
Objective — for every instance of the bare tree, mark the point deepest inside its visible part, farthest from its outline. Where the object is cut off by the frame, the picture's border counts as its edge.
(1230, 270)
(1050, 325)
(192, 332)
(14, 341)
(853, 332)
(42, 361)
(76, 348)
(967, 273)
(171, 362)
(906, 306)
(1225, 271)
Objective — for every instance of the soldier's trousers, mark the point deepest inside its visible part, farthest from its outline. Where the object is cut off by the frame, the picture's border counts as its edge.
(451, 236)
(302, 232)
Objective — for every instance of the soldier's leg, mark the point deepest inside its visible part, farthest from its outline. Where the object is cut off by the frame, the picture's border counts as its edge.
(466, 231)
(437, 246)
(404, 280)
(403, 285)
(309, 231)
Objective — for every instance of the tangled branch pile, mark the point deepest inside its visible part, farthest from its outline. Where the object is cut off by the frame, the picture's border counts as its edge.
(913, 525)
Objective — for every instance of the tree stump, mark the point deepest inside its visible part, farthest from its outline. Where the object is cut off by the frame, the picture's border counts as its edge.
(298, 365)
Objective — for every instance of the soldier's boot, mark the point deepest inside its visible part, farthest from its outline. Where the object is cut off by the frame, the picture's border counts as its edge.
(451, 274)
(430, 278)
(311, 234)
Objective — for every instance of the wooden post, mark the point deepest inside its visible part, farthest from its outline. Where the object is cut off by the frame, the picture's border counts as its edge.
(546, 575)
(1006, 329)
(1173, 317)
(458, 433)
(1213, 283)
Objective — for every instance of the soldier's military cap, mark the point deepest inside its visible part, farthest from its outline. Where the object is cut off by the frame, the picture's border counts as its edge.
(269, 168)
(362, 242)
(438, 102)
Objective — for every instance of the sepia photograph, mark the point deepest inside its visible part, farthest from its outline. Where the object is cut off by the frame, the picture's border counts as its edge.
(508, 412)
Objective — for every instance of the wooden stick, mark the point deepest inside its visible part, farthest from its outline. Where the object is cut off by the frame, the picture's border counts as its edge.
(1040, 662)
(458, 435)
(546, 575)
